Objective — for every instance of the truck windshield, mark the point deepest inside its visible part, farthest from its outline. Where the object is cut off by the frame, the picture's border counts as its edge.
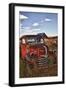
(31, 40)
(34, 40)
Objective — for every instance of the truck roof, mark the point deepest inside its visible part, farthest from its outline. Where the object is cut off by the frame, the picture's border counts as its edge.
(39, 35)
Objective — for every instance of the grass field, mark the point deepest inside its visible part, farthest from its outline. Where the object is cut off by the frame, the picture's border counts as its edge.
(48, 70)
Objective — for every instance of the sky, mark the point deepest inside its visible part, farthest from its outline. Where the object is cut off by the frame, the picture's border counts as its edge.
(38, 22)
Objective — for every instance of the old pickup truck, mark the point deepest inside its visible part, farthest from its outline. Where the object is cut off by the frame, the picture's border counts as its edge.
(33, 47)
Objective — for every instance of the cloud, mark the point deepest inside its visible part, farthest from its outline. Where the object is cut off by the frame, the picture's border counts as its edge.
(47, 19)
(26, 28)
(35, 24)
(36, 29)
(26, 31)
(23, 17)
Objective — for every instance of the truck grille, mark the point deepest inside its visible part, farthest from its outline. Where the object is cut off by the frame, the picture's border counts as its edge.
(42, 62)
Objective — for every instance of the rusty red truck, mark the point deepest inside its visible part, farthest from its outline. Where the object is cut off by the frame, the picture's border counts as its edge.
(33, 46)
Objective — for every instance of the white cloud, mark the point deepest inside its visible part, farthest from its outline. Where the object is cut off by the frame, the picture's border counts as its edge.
(25, 31)
(36, 29)
(47, 19)
(35, 24)
(26, 28)
(23, 17)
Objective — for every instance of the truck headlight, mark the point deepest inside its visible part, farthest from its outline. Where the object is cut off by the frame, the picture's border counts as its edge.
(23, 41)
